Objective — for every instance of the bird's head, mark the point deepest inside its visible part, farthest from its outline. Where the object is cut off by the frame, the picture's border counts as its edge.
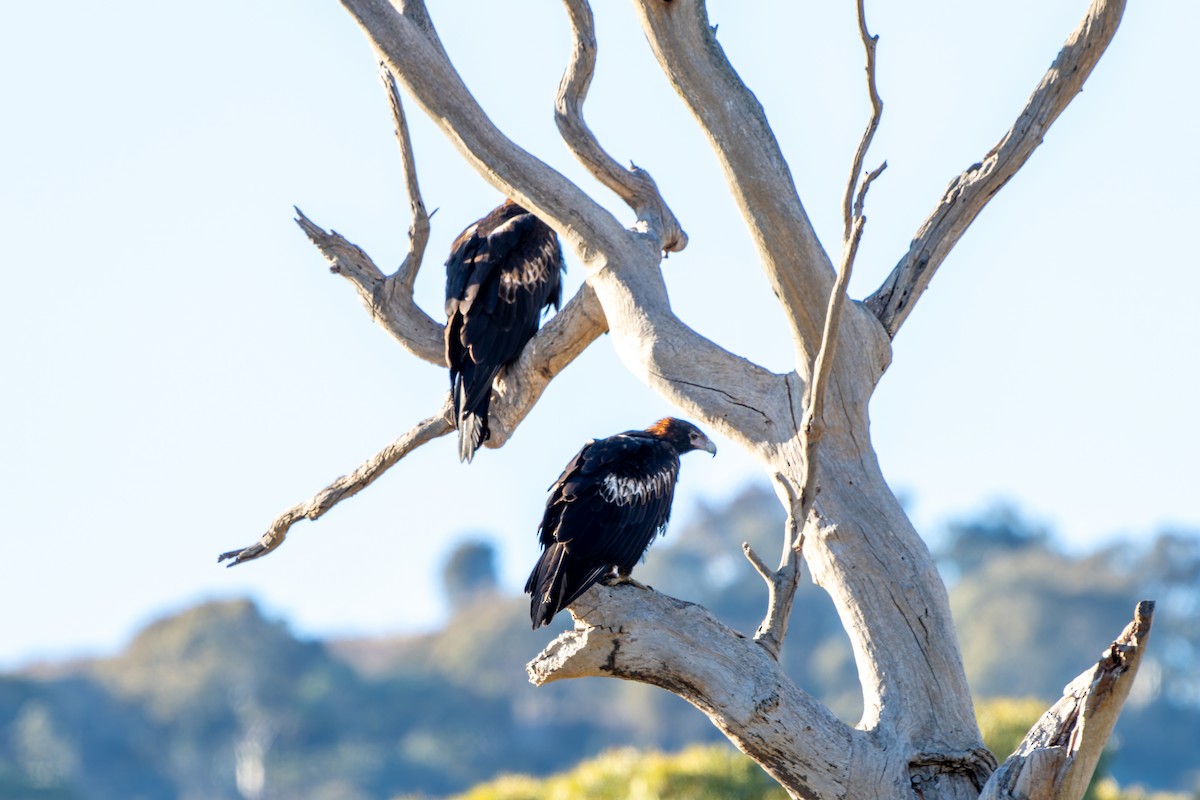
(683, 435)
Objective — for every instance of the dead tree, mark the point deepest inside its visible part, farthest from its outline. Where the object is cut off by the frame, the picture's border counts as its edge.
(808, 428)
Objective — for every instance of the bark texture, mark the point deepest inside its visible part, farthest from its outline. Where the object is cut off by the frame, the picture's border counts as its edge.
(808, 427)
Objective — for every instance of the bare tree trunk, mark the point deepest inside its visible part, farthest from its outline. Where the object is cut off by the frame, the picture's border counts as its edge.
(808, 428)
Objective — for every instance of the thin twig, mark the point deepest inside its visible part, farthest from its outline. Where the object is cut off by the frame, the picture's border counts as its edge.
(418, 230)
(782, 583)
(757, 562)
(860, 155)
(864, 186)
(633, 185)
(346, 486)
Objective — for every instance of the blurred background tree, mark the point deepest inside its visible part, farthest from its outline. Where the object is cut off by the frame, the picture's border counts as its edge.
(469, 573)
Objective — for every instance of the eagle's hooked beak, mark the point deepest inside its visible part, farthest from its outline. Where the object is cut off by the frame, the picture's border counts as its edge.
(705, 444)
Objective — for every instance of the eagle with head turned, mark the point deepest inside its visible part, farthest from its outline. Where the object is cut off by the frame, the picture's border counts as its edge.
(605, 509)
(504, 270)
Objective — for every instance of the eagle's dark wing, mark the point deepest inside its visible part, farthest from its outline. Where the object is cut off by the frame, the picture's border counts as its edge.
(502, 272)
(603, 512)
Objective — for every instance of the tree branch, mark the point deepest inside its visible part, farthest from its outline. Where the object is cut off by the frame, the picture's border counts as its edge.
(781, 582)
(389, 300)
(645, 636)
(1056, 759)
(970, 192)
(864, 144)
(758, 176)
(418, 231)
(346, 486)
(560, 341)
(633, 185)
(863, 550)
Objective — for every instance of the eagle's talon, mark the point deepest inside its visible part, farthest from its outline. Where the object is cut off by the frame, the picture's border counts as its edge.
(617, 580)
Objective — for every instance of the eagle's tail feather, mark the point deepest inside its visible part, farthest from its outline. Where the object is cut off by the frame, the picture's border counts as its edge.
(557, 581)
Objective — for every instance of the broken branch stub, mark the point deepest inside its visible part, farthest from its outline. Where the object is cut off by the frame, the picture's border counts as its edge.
(1056, 759)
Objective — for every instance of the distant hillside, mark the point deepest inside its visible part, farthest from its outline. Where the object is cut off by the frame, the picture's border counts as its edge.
(219, 702)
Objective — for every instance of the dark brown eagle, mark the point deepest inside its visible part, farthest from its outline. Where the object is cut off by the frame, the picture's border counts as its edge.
(605, 510)
(504, 270)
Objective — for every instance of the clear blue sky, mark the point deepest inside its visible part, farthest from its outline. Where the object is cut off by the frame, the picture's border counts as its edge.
(179, 366)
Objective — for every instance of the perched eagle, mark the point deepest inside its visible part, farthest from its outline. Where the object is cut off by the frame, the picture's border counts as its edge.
(605, 510)
(503, 271)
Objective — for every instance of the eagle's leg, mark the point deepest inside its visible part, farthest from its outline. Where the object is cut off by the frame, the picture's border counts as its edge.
(619, 576)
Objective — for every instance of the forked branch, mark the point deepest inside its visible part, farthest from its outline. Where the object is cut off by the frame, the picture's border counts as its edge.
(1056, 759)
(388, 301)
(641, 635)
(633, 185)
(969, 193)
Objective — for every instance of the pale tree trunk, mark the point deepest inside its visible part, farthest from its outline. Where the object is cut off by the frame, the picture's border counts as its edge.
(808, 428)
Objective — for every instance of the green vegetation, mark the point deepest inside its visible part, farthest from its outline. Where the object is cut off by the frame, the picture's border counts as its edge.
(200, 694)
(716, 772)
(712, 772)
(1003, 721)
(1107, 789)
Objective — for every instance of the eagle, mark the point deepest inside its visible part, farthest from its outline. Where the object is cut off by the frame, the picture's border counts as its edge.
(504, 270)
(605, 509)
